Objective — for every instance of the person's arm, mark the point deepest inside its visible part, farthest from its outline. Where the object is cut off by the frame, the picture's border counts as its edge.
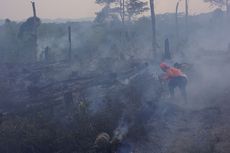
(164, 76)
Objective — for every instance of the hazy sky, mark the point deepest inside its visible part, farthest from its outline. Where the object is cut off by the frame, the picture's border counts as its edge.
(21, 9)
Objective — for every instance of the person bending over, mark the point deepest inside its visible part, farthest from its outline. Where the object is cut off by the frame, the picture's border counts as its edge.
(176, 78)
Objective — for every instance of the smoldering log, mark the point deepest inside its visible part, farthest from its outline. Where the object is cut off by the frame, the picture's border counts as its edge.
(102, 143)
(105, 144)
(102, 139)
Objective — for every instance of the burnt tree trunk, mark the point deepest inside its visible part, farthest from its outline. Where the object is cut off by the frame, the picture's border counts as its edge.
(153, 19)
(177, 26)
(167, 50)
(46, 54)
(34, 58)
(122, 11)
(34, 10)
(177, 6)
(70, 43)
(186, 15)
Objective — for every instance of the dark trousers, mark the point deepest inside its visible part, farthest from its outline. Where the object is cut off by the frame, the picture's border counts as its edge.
(180, 82)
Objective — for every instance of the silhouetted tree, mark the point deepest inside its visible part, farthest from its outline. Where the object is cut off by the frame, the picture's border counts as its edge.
(110, 11)
(220, 3)
(135, 7)
(124, 8)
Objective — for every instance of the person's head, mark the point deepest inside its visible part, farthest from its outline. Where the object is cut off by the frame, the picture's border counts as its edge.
(177, 65)
(164, 66)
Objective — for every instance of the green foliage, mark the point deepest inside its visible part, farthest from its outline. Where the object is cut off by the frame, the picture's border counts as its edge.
(135, 7)
(116, 9)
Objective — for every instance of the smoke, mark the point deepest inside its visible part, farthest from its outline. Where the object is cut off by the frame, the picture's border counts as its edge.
(120, 87)
(189, 126)
(177, 126)
(208, 51)
(121, 131)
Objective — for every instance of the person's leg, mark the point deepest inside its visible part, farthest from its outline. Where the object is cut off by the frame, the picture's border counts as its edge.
(171, 87)
(182, 86)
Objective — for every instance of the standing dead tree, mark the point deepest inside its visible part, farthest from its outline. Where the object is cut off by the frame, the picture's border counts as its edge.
(122, 11)
(186, 15)
(177, 7)
(177, 28)
(167, 50)
(28, 37)
(153, 19)
(34, 9)
(46, 54)
(70, 43)
(35, 29)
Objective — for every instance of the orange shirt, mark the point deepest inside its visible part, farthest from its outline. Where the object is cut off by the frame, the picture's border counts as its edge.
(173, 72)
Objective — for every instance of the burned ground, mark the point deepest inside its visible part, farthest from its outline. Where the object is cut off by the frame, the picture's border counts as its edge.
(45, 121)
